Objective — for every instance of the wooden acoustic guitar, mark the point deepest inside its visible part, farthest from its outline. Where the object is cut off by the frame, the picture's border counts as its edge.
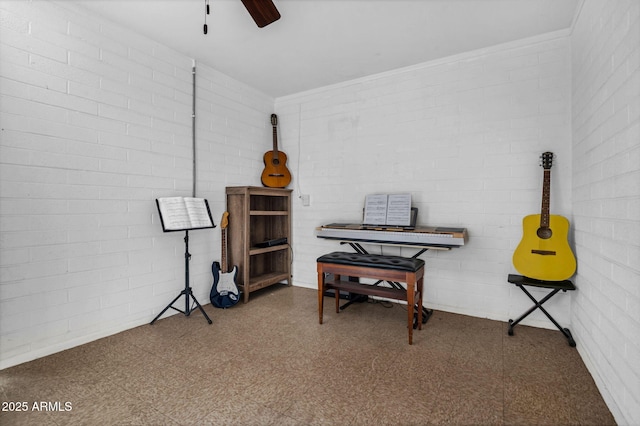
(275, 173)
(224, 291)
(544, 251)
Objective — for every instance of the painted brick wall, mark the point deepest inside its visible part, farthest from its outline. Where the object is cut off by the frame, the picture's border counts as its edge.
(96, 123)
(463, 135)
(606, 197)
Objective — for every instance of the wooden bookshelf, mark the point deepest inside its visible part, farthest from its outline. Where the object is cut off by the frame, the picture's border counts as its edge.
(258, 214)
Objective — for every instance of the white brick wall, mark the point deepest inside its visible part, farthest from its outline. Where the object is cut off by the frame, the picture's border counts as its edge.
(463, 135)
(96, 123)
(606, 197)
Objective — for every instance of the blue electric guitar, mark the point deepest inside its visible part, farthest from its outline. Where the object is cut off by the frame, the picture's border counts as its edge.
(224, 292)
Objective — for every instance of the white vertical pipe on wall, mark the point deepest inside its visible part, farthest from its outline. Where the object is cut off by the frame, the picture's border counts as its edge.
(193, 127)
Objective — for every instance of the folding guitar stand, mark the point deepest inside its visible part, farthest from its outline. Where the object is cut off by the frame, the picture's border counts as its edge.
(556, 286)
(187, 293)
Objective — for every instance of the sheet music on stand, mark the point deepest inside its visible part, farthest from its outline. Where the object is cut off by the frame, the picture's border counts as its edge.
(184, 213)
(388, 210)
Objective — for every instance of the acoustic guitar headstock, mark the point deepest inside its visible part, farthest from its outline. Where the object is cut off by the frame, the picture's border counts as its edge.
(274, 120)
(546, 160)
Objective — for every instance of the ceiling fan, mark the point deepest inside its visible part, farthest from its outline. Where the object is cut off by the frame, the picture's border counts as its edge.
(263, 12)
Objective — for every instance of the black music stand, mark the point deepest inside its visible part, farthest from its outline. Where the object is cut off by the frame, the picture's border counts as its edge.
(184, 214)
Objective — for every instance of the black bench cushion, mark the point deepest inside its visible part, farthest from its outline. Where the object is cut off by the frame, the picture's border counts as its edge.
(398, 263)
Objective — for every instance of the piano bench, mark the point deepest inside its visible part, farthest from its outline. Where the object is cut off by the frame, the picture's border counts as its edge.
(395, 269)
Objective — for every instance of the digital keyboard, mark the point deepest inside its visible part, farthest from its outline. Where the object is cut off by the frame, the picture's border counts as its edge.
(438, 236)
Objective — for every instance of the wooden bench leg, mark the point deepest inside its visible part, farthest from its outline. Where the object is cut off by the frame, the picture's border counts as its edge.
(320, 292)
(410, 304)
(420, 289)
(337, 294)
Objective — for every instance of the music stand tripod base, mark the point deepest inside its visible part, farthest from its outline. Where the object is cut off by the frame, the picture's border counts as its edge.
(187, 293)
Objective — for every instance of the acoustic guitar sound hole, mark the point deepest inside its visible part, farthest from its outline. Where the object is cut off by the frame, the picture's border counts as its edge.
(275, 162)
(544, 233)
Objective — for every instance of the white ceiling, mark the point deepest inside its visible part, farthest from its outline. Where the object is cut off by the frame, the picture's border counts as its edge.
(322, 42)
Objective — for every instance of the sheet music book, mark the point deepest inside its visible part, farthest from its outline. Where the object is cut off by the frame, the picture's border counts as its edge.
(184, 213)
(387, 209)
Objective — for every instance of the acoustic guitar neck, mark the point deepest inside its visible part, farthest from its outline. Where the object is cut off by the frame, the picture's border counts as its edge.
(275, 159)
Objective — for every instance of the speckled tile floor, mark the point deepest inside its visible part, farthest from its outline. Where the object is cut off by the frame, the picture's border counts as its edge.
(270, 362)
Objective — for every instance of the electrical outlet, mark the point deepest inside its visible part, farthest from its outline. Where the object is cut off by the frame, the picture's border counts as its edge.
(306, 199)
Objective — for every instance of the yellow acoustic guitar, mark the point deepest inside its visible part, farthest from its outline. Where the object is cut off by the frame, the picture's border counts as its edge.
(544, 251)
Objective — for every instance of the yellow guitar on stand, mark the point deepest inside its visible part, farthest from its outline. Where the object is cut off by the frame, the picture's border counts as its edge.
(544, 251)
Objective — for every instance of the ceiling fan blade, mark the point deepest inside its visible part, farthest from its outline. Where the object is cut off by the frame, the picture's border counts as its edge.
(263, 12)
